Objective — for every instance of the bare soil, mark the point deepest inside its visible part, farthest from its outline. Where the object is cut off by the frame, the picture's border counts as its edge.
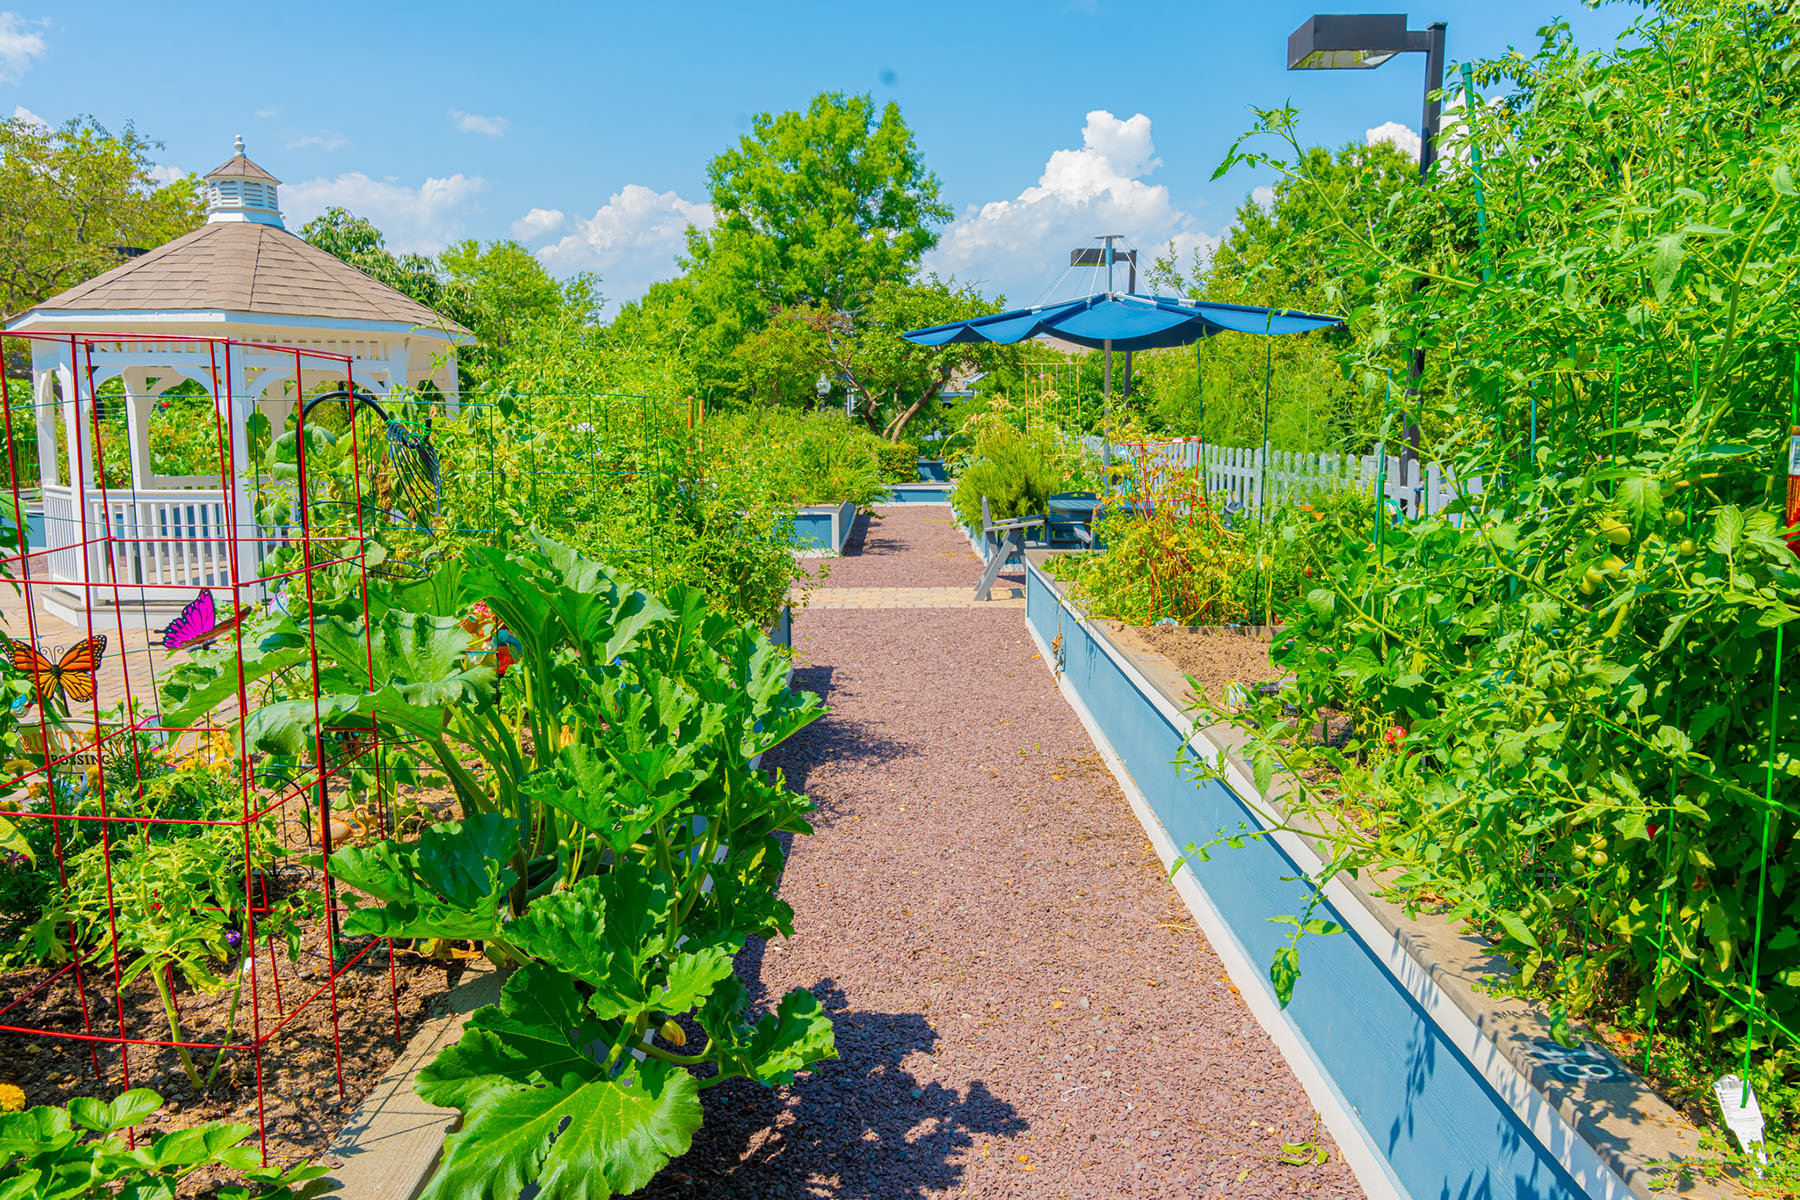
(303, 1104)
(1213, 658)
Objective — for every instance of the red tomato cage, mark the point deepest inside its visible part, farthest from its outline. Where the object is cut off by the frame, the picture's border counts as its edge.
(104, 576)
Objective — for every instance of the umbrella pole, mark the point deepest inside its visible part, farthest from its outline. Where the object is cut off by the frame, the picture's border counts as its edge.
(1106, 414)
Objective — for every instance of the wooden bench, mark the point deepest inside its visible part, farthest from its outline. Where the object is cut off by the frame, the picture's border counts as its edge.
(1011, 541)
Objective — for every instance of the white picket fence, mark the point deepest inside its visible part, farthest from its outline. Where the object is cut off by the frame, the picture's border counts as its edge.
(161, 543)
(1241, 471)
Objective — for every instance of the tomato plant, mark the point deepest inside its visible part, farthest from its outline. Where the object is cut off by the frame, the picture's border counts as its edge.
(1599, 768)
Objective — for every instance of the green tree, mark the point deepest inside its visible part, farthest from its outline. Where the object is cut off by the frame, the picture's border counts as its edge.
(818, 207)
(892, 381)
(1277, 255)
(73, 199)
(814, 210)
(357, 241)
(501, 291)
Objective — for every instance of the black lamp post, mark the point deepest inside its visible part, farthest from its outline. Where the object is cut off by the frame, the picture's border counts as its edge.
(1359, 41)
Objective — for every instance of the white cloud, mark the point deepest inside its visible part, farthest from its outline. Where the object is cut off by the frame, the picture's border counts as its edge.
(1401, 137)
(1264, 196)
(632, 240)
(539, 222)
(263, 114)
(21, 113)
(1015, 245)
(424, 218)
(472, 123)
(167, 173)
(327, 140)
(20, 43)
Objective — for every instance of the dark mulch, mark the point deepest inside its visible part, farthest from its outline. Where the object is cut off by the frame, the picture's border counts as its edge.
(1023, 1006)
(908, 547)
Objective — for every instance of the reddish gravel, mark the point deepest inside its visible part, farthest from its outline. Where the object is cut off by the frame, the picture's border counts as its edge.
(1023, 1006)
(908, 546)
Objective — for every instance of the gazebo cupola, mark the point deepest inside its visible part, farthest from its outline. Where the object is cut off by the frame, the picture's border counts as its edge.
(239, 190)
(138, 331)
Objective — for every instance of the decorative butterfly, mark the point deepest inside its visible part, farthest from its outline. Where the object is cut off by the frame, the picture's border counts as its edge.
(72, 675)
(198, 624)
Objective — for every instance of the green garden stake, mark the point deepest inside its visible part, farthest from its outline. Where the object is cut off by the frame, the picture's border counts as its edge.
(1762, 873)
(1481, 230)
(1615, 419)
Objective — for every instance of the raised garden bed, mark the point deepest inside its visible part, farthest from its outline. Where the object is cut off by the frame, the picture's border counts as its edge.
(1431, 1087)
(920, 493)
(824, 526)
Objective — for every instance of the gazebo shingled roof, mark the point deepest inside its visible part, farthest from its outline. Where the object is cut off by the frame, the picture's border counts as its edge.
(246, 267)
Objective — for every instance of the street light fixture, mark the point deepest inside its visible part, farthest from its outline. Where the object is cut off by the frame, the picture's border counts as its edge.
(1105, 255)
(1360, 41)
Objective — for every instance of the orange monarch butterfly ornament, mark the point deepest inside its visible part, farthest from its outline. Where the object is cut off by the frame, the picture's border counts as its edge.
(72, 674)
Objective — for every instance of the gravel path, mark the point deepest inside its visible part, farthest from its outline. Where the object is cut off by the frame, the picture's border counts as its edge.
(908, 546)
(1023, 1006)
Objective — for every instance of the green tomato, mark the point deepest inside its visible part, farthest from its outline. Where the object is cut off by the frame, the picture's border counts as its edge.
(1598, 858)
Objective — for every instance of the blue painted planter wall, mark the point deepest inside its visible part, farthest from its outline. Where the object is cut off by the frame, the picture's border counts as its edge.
(1445, 1133)
(932, 470)
(824, 526)
(920, 493)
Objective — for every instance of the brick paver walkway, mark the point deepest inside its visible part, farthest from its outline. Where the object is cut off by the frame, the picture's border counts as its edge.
(914, 597)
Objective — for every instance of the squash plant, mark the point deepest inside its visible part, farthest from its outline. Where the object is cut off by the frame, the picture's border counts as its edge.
(616, 847)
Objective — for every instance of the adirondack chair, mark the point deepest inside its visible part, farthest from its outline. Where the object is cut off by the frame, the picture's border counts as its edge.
(1003, 539)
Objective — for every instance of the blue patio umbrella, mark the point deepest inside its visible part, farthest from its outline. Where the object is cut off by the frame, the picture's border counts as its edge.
(1127, 322)
(1124, 321)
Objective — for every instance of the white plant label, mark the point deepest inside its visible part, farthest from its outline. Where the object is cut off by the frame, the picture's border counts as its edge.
(1743, 1115)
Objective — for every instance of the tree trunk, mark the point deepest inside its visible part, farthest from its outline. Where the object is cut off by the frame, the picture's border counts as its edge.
(897, 426)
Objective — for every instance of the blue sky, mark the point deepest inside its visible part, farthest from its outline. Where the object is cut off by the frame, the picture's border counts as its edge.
(584, 130)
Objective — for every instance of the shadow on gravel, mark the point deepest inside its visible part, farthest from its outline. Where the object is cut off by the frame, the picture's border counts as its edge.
(832, 738)
(816, 680)
(866, 537)
(852, 1129)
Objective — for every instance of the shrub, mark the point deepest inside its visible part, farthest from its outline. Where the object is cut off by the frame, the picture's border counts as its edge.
(1016, 471)
(899, 461)
(802, 458)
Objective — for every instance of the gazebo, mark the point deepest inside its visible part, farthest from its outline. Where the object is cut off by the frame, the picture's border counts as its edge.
(147, 323)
